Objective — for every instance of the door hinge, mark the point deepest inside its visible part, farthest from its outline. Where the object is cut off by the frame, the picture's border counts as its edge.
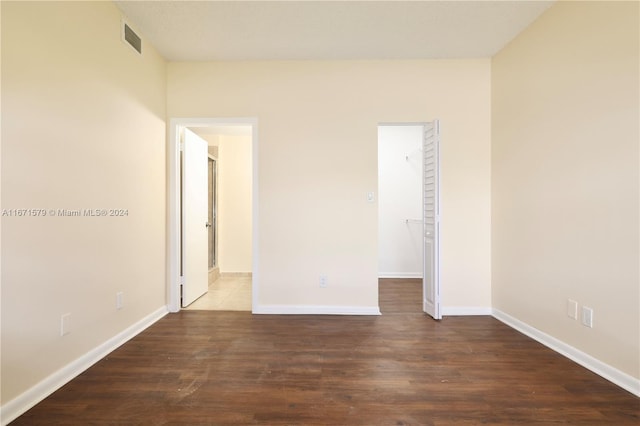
(181, 279)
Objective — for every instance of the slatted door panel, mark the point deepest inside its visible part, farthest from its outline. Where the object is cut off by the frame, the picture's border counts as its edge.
(431, 219)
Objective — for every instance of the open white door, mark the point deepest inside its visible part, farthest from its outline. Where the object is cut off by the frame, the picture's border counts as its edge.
(194, 218)
(431, 219)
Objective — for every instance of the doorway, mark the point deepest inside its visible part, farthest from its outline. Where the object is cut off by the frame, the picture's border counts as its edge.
(409, 215)
(229, 177)
(212, 213)
(204, 127)
(212, 202)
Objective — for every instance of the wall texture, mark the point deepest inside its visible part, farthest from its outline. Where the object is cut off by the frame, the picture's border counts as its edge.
(318, 159)
(83, 127)
(565, 178)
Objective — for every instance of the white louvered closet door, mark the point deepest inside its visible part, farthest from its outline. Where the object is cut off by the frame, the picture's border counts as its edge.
(431, 219)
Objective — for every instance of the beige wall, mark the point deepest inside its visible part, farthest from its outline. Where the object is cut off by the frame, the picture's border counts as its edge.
(318, 159)
(565, 177)
(234, 203)
(83, 126)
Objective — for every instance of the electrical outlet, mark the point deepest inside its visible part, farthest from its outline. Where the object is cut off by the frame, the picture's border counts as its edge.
(324, 281)
(572, 309)
(587, 316)
(119, 300)
(65, 324)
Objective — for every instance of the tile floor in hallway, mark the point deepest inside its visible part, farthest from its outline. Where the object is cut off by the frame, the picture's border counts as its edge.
(227, 293)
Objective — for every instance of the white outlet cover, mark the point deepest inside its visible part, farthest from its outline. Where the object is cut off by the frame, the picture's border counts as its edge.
(323, 281)
(587, 316)
(572, 309)
(65, 324)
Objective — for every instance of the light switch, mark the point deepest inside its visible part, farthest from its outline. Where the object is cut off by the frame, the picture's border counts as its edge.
(371, 197)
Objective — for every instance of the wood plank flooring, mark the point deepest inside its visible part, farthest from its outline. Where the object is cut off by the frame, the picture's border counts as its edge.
(401, 368)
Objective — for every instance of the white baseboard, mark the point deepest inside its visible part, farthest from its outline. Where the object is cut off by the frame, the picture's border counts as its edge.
(400, 275)
(465, 311)
(236, 274)
(315, 310)
(624, 380)
(23, 402)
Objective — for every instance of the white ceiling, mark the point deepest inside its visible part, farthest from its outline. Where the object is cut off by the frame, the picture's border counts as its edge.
(329, 30)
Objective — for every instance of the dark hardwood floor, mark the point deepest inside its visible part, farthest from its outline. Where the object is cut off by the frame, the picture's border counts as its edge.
(401, 368)
(400, 296)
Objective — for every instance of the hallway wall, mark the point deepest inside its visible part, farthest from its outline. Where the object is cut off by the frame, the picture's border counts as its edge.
(234, 203)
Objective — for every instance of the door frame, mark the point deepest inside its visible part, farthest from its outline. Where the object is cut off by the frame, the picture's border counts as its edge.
(173, 202)
(438, 283)
(214, 221)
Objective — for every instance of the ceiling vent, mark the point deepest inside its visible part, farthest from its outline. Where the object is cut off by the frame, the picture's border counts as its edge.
(131, 38)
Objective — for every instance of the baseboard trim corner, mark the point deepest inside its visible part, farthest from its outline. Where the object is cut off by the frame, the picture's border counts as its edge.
(615, 376)
(315, 310)
(23, 402)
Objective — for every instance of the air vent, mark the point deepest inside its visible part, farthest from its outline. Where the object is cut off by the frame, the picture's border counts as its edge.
(131, 38)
